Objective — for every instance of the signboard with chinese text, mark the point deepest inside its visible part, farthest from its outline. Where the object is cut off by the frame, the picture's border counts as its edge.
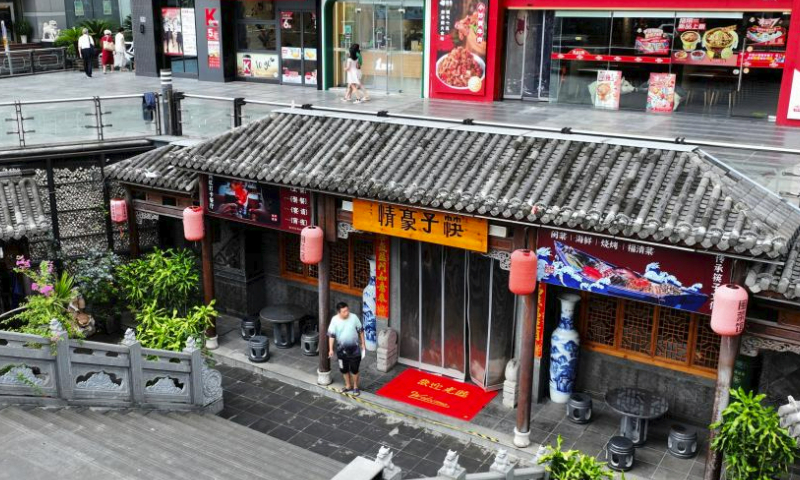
(212, 39)
(382, 249)
(264, 205)
(619, 268)
(541, 300)
(188, 32)
(426, 226)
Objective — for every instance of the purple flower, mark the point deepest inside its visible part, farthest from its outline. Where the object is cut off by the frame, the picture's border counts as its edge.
(23, 263)
(49, 268)
(35, 287)
(46, 290)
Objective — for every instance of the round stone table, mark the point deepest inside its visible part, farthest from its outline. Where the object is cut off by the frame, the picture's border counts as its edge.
(637, 407)
(285, 321)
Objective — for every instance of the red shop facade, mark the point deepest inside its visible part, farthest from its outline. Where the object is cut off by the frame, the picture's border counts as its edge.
(716, 57)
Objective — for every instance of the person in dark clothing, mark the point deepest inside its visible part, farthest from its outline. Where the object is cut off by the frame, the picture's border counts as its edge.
(86, 51)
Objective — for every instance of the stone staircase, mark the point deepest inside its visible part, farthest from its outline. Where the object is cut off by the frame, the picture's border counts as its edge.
(87, 444)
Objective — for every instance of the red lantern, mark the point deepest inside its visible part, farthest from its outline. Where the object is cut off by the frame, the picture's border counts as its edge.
(311, 245)
(119, 210)
(522, 280)
(193, 229)
(729, 311)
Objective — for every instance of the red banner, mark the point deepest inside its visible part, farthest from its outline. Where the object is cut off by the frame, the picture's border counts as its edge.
(382, 247)
(764, 59)
(541, 299)
(580, 54)
(618, 268)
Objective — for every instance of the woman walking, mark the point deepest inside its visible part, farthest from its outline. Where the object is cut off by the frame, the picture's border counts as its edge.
(107, 60)
(360, 60)
(352, 74)
(119, 50)
(86, 51)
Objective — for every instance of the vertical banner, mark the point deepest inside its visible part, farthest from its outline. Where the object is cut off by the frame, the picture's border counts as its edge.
(188, 32)
(459, 46)
(382, 249)
(661, 92)
(212, 38)
(541, 298)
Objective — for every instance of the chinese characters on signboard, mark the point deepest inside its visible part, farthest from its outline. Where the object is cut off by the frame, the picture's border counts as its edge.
(212, 39)
(427, 226)
(382, 248)
(661, 92)
(282, 208)
(619, 268)
(541, 299)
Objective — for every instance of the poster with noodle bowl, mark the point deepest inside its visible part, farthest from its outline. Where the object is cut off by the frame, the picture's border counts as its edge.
(459, 46)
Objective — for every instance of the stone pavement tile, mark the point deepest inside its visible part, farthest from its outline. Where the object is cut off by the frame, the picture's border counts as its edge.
(255, 393)
(344, 455)
(406, 461)
(649, 455)
(680, 465)
(473, 450)
(313, 412)
(376, 432)
(303, 440)
(228, 412)
(642, 469)
(667, 474)
(698, 469)
(235, 374)
(297, 422)
(538, 436)
(260, 409)
(293, 407)
(544, 424)
(418, 448)
(428, 468)
(437, 455)
(569, 429)
(430, 437)
(245, 419)
(263, 425)
(396, 441)
(239, 403)
(362, 445)
(283, 433)
(485, 420)
(237, 388)
(274, 400)
(323, 430)
(324, 447)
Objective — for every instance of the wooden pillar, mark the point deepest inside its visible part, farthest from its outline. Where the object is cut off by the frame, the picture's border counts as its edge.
(133, 227)
(728, 349)
(326, 218)
(207, 255)
(522, 431)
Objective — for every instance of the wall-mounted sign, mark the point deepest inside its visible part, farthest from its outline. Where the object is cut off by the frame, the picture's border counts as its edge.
(541, 301)
(459, 46)
(382, 249)
(188, 32)
(212, 39)
(286, 20)
(172, 36)
(257, 65)
(79, 8)
(618, 268)
(107, 10)
(249, 202)
(417, 224)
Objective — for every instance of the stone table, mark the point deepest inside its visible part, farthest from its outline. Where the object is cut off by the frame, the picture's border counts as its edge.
(637, 406)
(285, 320)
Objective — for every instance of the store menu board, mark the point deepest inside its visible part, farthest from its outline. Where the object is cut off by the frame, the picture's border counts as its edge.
(645, 273)
(459, 46)
(661, 92)
(265, 205)
(264, 66)
(188, 32)
(608, 89)
(653, 41)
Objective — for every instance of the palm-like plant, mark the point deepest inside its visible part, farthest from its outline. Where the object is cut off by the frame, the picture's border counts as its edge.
(68, 38)
(97, 26)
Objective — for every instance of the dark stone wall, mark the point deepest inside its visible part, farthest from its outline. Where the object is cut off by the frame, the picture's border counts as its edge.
(690, 397)
(780, 376)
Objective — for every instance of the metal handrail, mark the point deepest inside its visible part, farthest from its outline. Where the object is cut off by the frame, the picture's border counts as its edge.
(68, 100)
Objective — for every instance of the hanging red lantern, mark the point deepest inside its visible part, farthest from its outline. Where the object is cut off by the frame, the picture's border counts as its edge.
(522, 279)
(729, 311)
(193, 229)
(119, 210)
(311, 245)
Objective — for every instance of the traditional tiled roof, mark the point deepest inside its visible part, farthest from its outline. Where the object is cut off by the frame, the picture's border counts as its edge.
(21, 210)
(151, 169)
(661, 192)
(783, 279)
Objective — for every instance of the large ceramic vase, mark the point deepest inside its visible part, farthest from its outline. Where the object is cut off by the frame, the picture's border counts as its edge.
(564, 346)
(368, 310)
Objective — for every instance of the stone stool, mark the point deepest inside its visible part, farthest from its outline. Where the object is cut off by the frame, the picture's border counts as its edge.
(309, 341)
(620, 454)
(251, 327)
(258, 349)
(579, 408)
(682, 442)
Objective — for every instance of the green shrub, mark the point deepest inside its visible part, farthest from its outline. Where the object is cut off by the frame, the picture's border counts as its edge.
(68, 38)
(159, 330)
(168, 278)
(753, 444)
(573, 465)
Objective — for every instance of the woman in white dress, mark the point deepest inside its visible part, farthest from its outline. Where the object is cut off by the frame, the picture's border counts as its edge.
(352, 75)
(119, 51)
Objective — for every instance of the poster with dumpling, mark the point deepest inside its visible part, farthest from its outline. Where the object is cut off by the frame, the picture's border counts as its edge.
(459, 46)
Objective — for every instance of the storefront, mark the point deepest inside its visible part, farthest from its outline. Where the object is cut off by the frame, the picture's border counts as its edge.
(178, 42)
(391, 36)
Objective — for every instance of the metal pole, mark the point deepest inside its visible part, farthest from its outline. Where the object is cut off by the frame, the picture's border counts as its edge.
(728, 349)
(238, 103)
(212, 341)
(166, 101)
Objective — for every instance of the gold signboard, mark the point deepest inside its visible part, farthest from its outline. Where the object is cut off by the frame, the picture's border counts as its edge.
(447, 229)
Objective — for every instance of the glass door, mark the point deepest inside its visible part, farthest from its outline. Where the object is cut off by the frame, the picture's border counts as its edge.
(298, 48)
(528, 43)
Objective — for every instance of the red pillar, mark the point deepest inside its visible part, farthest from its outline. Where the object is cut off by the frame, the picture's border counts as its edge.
(206, 244)
(792, 64)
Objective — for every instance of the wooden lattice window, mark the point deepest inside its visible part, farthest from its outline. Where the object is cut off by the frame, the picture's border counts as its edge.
(349, 264)
(649, 333)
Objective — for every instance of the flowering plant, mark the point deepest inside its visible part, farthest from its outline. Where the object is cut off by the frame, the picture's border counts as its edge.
(96, 281)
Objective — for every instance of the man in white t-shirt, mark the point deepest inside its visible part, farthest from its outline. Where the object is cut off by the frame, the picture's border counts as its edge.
(86, 51)
(347, 335)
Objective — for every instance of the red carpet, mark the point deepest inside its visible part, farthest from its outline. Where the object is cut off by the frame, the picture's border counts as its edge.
(437, 394)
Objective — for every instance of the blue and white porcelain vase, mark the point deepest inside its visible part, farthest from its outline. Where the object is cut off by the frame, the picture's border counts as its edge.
(564, 346)
(368, 310)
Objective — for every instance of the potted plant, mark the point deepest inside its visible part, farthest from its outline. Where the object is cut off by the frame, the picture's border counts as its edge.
(24, 30)
(68, 38)
(94, 276)
(753, 444)
(573, 465)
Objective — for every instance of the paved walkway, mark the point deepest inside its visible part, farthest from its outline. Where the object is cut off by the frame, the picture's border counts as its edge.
(205, 117)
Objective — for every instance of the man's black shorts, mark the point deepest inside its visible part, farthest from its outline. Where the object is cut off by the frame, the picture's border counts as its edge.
(349, 363)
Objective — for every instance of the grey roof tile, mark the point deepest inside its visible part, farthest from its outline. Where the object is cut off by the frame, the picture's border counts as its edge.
(152, 169)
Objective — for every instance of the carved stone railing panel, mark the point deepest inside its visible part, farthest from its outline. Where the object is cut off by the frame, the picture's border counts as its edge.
(36, 370)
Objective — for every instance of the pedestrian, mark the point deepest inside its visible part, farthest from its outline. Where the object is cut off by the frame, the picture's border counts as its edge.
(119, 51)
(347, 334)
(86, 51)
(360, 86)
(352, 73)
(107, 59)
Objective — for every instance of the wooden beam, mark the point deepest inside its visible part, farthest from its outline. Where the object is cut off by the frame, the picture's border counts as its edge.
(207, 247)
(133, 227)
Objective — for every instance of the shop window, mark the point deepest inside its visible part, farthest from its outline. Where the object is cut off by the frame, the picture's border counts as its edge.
(349, 262)
(254, 10)
(257, 37)
(649, 333)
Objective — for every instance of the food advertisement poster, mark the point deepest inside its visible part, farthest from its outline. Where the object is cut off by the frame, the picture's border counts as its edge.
(172, 36)
(281, 208)
(608, 89)
(188, 32)
(212, 38)
(793, 112)
(715, 46)
(661, 92)
(766, 32)
(653, 41)
(459, 46)
(618, 268)
(263, 66)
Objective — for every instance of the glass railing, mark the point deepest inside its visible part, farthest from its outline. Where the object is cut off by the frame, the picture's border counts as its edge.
(27, 62)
